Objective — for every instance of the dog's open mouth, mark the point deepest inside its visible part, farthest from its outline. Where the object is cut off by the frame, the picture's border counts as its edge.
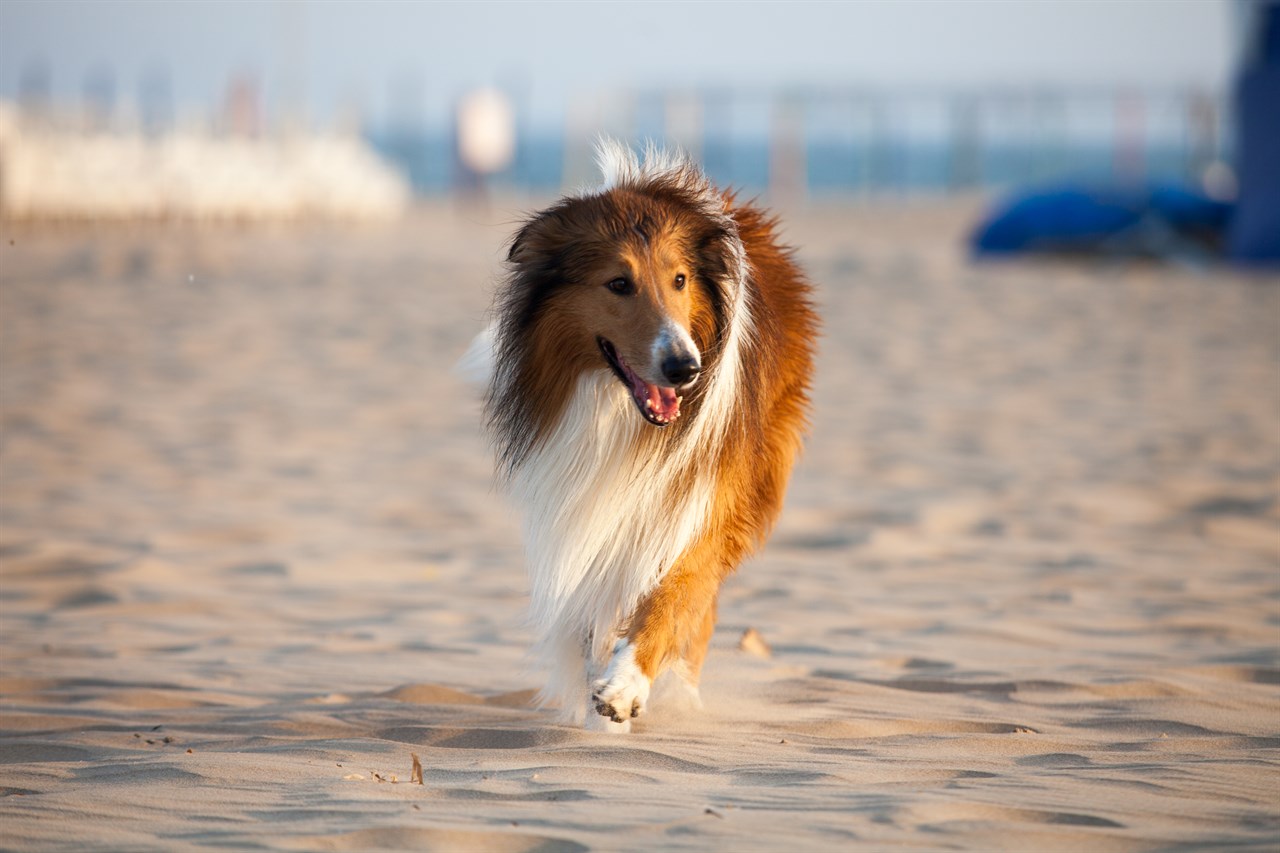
(659, 405)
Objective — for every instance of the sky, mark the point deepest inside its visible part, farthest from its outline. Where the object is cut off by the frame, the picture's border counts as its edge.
(411, 60)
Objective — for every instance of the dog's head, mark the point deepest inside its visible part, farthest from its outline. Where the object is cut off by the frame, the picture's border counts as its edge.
(636, 280)
(620, 282)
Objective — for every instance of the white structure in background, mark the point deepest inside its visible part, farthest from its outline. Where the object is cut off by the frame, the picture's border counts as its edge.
(486, 132)
(51, 173)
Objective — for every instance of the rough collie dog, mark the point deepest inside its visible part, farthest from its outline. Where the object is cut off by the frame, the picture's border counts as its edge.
(652, 353)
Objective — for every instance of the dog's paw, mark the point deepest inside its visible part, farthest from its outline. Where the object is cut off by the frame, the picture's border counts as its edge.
(596, 723)
(623, 691)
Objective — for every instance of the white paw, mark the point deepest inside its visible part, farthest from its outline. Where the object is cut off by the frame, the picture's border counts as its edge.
(623, 691)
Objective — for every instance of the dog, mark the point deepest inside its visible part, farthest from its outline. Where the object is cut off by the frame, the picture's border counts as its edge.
(651, 358)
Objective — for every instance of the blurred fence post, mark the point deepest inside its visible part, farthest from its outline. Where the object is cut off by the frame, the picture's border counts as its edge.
(786, 150)
(155, 101)
(1202, 128)
(880, 146)
(1049, 146)
(99, 99)
(965, 143)
(577, 142)
(682, 122)
(35, 92)
(1129, 141)
(717, 136)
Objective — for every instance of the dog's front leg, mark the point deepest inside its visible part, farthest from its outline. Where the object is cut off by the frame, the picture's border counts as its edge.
(670, 624)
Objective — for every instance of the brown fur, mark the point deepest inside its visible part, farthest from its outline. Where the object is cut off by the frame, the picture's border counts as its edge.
(675, 621)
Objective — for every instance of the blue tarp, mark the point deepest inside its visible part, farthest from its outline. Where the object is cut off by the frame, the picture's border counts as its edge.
(1068, 218)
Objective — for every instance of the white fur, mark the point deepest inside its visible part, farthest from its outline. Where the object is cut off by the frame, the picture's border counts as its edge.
(624, 688)
(602, 525)
(619, 165)
(672, 338)
(476, 364)
(604, 522)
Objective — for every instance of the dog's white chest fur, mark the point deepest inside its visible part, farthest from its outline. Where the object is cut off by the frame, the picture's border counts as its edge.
(602, 525)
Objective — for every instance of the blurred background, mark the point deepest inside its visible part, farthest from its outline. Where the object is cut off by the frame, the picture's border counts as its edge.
(218, 108)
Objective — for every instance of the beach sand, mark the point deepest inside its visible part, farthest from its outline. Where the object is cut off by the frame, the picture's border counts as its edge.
(1025, 593)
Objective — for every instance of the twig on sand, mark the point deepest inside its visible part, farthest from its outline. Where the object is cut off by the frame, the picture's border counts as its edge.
(417, 769)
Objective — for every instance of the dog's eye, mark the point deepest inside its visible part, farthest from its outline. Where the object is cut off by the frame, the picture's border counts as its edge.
(619, 286)
(680, 282)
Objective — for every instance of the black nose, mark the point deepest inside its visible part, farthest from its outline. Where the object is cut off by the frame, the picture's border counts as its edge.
(681, 370)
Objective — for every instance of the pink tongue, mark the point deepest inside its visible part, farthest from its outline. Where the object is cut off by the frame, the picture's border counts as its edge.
(661, 402)
(664, 400)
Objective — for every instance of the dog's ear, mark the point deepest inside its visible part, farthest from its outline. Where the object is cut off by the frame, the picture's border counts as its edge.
(519, 245)
(529, 241)
(533, 258)
(722, 270)
(721, 257)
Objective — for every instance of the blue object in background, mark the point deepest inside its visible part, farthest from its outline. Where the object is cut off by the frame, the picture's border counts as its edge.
(1056, 219)
(1255, 231)
(1162, 220)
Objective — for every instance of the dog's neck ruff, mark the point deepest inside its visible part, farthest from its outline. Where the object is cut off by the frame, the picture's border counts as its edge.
(602, 523)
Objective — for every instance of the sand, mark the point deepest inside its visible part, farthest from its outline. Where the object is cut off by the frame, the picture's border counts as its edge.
(1025, 595)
